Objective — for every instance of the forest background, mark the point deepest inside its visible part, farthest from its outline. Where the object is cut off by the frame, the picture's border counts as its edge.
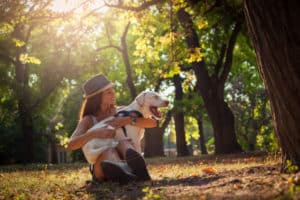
(196, 53)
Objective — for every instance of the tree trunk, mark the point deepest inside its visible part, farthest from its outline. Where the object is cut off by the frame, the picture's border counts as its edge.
(181, 145)
(274, 30)
(125, 55)
(221, 116)
(252, 125)
(154, 145)
(201, 135)
(25, 115)
(223, 125)
(53, 149)
(23, 98)
(211, 89)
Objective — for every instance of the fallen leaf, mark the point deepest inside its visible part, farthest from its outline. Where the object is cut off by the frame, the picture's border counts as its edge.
(238, 186)
(209, 170)
(194, 174)
(290, 180)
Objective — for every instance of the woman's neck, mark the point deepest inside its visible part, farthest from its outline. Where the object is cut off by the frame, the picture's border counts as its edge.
(106, 111)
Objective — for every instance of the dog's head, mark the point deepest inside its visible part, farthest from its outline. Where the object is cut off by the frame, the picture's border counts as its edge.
(150, 102)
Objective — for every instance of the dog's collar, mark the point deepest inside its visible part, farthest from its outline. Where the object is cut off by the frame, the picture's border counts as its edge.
(124, 113)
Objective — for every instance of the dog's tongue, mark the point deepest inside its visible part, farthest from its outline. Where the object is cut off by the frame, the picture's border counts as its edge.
(155, 112)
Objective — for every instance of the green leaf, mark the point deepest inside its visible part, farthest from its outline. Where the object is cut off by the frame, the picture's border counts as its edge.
(58, 126)
(194, 55)
(18, 43)
(29, 59)
(6, 28)
(174, 70)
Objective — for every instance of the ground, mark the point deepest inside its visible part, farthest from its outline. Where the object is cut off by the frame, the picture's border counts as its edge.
(239, 176)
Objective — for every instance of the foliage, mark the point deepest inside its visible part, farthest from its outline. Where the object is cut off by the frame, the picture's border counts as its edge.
(150, 194)
(247, 98)
(290, 167)
(65, 49)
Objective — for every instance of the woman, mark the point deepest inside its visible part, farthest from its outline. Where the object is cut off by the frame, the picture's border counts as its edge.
(100, 103)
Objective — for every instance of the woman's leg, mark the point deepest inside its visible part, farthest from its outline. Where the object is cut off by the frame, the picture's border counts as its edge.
(109, 154)
(123, 146)
(134, 160)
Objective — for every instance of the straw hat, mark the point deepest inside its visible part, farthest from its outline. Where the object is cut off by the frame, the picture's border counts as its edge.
(95, 85)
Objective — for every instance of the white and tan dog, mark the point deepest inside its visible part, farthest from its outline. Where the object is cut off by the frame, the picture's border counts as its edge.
(146, 103)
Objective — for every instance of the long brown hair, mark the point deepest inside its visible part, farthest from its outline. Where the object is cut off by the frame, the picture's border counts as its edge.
(91, 105)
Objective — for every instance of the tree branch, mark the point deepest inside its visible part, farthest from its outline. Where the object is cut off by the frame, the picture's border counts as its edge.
(143, 6)
(125, 31)
(167, 119)
(125, 55)
(185, 68)
(219, 63)
(158, 84)
(28, 34)
(109, 46)
(229, 53)
(217, 4)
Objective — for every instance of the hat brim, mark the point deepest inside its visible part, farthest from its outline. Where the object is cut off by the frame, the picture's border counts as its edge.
(110, 85)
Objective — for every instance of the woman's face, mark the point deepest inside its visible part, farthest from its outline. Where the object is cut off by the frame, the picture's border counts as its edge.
(108, 97)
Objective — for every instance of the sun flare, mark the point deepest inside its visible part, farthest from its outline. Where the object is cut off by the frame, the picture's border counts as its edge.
(77, 6)
(65, 5)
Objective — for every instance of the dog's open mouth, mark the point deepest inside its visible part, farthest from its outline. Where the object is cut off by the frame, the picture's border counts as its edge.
(155, 112)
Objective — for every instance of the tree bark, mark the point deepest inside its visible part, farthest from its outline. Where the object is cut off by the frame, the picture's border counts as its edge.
(274, 29)
(181, 145)
(53, 149)
(211, 89)
(154, 145)
(25, 117)
(201, 135)
(125, 55)
(23, 98)
(223, 124)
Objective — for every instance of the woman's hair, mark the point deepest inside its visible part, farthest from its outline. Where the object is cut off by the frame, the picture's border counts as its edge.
(91, 105)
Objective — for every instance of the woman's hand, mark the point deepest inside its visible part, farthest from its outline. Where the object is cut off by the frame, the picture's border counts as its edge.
(105, 132)
(119, 122)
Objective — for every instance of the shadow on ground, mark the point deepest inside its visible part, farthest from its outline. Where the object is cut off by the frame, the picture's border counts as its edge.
(137, 190)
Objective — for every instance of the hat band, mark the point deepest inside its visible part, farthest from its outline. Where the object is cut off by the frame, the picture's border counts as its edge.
(110, 85)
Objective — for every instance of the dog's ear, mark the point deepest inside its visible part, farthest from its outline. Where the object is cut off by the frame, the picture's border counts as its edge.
(140, 99)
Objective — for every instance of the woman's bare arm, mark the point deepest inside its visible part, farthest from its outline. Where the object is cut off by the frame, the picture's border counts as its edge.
(145, 122)
(119, 122)
(81, 135)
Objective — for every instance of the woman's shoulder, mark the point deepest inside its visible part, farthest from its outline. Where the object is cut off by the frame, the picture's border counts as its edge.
(87, 120)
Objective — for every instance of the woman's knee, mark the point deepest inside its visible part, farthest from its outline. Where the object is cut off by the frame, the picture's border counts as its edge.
(110, 154)
(125, 144)
(110, 150)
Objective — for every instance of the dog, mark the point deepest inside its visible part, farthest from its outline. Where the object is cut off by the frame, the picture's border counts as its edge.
(146, 104)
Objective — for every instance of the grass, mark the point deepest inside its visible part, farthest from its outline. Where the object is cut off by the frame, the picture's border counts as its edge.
(42, 181)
